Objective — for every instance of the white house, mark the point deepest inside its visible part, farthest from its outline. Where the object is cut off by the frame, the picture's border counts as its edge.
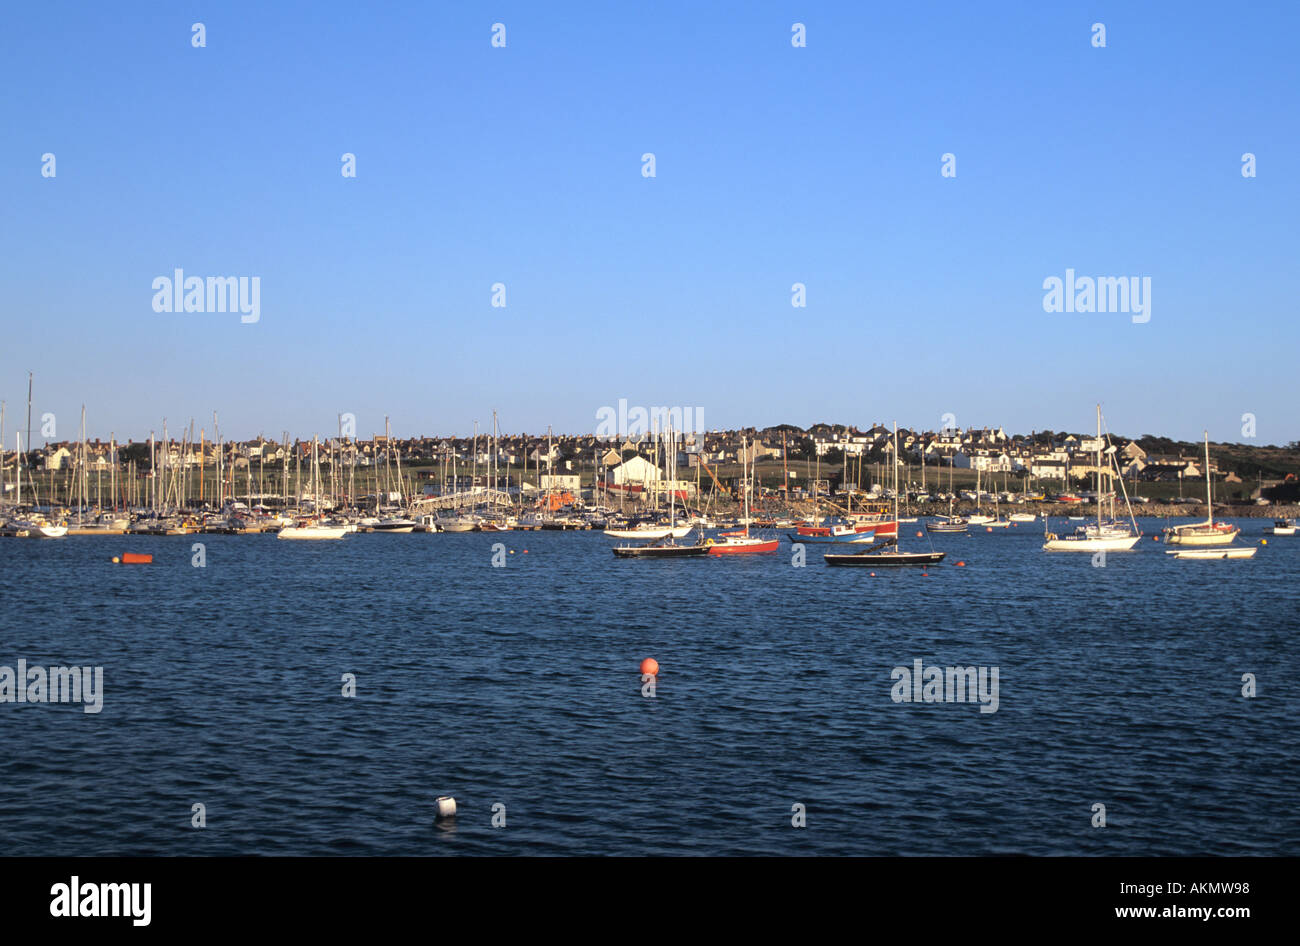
(636, 471)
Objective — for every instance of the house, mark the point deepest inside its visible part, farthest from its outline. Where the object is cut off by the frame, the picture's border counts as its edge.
(636, 471)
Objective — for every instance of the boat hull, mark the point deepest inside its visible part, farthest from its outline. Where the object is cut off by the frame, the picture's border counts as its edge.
(739, 545)
(1201, 535)
(863, 532)
(301, 533)
(661, 551)
(1092, 544)
(945, 527)
(883, 559)
(677, 533)
(1213, 554)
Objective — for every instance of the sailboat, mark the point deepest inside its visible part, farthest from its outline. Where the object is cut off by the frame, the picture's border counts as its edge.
(978, 518)
(998, 521)
(1102, 536)
(313, 528)
(665, 546)
(1208, 532)
(742, 543)
(887, 550)
(948, 523)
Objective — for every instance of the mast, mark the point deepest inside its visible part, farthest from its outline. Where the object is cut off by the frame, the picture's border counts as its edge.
(81, 480)
(895, 459)
(216, 431)
(1099, 467)
(745, 448)
(672, 474)
(1209, 501)
(28, 441)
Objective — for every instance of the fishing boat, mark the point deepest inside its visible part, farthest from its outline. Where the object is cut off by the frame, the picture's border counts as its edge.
(886, 551)
(742, 543)
(1282, 527)
(1208, 532)
(1104, 535)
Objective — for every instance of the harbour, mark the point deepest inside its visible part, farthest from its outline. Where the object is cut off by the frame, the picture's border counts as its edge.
(520, 685)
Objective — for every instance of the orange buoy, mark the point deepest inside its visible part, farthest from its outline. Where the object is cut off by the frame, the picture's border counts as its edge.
(918, 533)
(136, 558)
(961, 564)
(925, 574)
(873, 574)
(650, 666)
(988, 529)
(116, 560)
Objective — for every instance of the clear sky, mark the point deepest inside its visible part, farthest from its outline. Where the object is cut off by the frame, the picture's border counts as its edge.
(774, 165)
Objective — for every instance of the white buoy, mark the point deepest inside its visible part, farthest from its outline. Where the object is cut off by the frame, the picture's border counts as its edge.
(446, 806)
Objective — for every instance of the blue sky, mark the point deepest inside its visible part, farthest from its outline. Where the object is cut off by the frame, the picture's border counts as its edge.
(774, 165)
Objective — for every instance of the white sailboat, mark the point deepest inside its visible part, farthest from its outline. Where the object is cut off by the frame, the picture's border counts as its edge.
(313, 528)
(1101, 537)
(1208, 532)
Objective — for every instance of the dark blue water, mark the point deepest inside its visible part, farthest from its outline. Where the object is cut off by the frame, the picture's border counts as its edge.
(519, 685)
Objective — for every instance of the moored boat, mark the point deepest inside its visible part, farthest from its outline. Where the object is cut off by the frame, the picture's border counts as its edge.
(1208, 532)
(885, 552)
(1203, 554)
(1103, 535)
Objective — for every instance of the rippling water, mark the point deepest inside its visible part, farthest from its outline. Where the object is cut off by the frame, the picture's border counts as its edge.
(519, 685)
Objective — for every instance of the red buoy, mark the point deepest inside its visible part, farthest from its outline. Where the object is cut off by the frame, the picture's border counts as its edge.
(650, 666)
